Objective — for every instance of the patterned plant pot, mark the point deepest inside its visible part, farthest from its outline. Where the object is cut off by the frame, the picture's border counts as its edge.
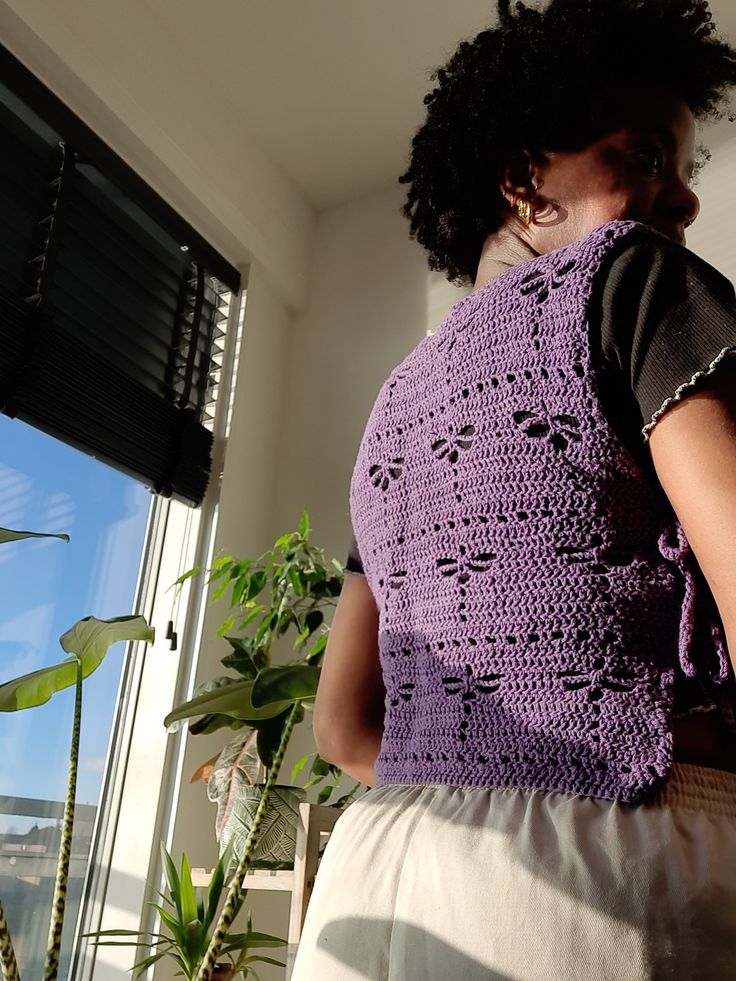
(276, 842)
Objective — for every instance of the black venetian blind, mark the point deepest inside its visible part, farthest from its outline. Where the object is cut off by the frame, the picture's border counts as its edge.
(111, 305)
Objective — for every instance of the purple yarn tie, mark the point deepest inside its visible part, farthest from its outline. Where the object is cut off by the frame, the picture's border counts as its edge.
(679, 555)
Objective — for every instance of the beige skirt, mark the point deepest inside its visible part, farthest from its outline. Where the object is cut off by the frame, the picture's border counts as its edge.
(442, 883)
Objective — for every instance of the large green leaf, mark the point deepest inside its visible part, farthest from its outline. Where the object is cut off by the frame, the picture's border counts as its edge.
(237, 766)
(270, 733)
(210, 722)
(234, 700)
(6, 535)
(89, 641)
(275, 844)
(287, 682)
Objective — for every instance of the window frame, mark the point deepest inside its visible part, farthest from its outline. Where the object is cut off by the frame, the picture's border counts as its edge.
(141, 784)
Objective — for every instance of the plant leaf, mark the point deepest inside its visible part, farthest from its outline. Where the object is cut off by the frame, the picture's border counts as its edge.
(89, 641)
(233, 700)
(251, 616)
(225, 627)
(243, 654)
(174, 925)
(221, 681)
(203, 772)
(320, 766)
(172, 879)
(267, 622)
(315, 655)
(237, 767)
(216, 885)
(212, 723)
(269, 737)
(285, 683)
(6, 535)
(257, 582)
(314, 619)
(275, 844)
(187, 575)
(143, 965)
(298, 766)
(188, 896)
(252, 939)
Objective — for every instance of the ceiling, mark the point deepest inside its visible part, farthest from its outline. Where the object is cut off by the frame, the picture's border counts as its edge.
(332, 89)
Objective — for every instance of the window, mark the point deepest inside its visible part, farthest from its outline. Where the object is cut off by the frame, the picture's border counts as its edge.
(47, 586)
(114, 378)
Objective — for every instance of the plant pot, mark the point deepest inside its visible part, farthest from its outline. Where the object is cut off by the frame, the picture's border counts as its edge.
(223, 972)
(276, 842)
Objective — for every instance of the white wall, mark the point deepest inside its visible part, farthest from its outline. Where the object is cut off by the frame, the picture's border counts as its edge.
(712, 235)
(129, 83)
(372, 299)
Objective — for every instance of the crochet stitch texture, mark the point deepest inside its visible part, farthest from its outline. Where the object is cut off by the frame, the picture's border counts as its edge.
(533, 586)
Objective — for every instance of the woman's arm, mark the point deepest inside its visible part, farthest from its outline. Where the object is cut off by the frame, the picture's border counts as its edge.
(349, 707)
(693, 446)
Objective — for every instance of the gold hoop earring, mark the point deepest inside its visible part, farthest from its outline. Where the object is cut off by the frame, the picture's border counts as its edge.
(525, 211)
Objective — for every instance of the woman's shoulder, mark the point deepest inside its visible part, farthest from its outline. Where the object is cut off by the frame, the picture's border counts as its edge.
(648, 260)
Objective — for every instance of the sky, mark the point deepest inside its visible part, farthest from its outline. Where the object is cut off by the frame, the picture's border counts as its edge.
(46, 586)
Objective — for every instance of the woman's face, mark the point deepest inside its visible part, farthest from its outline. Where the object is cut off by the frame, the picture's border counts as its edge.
(640, 170)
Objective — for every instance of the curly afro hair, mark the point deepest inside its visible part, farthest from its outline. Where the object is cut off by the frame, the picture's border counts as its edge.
(538, 81)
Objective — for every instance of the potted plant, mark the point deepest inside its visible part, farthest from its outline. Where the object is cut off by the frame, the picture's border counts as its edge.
(287, 589)
(87, 643)
(187, 914)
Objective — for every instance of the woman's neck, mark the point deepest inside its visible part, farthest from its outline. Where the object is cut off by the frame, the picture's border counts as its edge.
(502, 250)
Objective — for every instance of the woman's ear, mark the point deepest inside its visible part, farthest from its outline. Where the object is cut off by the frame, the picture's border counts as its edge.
(519, 176)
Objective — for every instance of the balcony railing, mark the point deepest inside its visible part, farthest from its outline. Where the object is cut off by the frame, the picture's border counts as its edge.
(28, 869)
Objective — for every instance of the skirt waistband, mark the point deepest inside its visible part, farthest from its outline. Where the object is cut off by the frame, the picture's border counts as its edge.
(700, 788)
(689, 787)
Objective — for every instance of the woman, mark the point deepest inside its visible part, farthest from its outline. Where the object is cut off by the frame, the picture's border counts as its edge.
(533, 664)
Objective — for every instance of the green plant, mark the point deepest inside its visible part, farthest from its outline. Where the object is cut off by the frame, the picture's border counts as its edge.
(188, 919)
(287, 589)
(235, 891)
(88, 641)
(267, 700)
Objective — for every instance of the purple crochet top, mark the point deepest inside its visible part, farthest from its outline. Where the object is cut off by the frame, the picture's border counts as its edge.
(534, 588)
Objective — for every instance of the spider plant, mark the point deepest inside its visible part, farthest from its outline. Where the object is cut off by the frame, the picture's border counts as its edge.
(187, 914)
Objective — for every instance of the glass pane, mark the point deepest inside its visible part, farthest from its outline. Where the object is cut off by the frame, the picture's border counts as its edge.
(46, 586)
